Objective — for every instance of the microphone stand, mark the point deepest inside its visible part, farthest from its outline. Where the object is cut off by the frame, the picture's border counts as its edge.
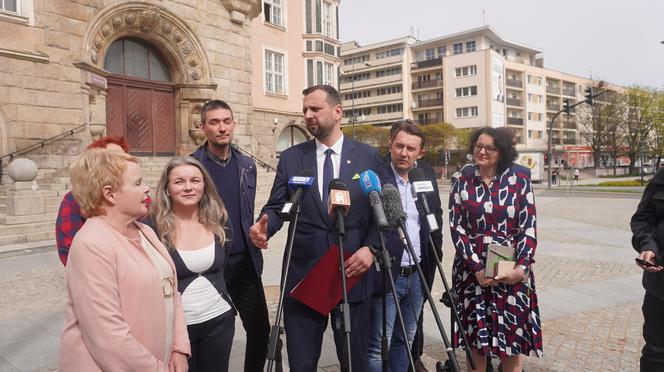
(344, 306)
(276, 330)
(448, 348)
(385, 263)
(451, 294)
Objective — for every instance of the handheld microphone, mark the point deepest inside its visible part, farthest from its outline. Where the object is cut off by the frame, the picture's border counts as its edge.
(339, 198)
(391, 199)
(338, 203)
(419, 186)
(300, 183)
(371, 187)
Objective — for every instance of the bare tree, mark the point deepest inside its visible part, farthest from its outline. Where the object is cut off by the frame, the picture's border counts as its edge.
(614, 116)
(593, 130)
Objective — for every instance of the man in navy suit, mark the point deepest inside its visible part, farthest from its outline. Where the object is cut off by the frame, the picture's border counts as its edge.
(329, 156)
(406, 145)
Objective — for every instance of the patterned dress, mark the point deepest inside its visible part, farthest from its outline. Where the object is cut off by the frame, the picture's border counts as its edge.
(504, 320)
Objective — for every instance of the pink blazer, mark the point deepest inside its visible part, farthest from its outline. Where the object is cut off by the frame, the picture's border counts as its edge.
(115, 316)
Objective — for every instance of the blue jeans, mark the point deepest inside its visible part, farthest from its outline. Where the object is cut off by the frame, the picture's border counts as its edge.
(411, 298)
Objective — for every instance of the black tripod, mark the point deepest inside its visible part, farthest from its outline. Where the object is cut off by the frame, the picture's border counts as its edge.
(276, 330)
(385, 263)
(343, 306)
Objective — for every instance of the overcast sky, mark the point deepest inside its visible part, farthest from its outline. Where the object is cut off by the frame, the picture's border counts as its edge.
(617, 41)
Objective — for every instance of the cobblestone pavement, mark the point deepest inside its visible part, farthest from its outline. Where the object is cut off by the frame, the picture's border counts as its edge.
(605, 338)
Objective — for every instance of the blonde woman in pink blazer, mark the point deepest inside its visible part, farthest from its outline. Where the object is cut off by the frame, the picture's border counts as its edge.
(123, 309)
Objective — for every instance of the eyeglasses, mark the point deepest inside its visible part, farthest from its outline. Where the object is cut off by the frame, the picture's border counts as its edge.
(489, 149)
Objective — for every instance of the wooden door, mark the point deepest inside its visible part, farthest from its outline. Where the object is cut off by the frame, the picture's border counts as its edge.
(144, 113)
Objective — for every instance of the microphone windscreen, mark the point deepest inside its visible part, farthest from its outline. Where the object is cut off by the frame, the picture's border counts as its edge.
(303, 180)
(369, 182)
(337, 184)
(391, 200)
(415, 175)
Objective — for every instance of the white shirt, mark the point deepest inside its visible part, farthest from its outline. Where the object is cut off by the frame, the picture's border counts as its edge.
(320, 161)
(412, 219)
(201, 300)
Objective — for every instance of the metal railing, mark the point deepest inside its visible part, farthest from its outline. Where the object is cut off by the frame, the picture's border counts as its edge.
(513, 102)
(514, 83)
(553, 89)
(427, 63)
(39, 144)
(258, 160)
(515, 121)
(430, 102)
(427, 84)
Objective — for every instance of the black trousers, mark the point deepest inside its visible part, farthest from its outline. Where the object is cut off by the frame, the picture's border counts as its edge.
(305, 328)
(652, 355)
(211, 343)
(246, 291)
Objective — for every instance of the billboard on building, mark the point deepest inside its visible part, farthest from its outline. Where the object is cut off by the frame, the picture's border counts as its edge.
(498, 79)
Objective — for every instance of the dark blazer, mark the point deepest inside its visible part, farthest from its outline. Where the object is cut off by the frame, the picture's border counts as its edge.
(247, 178)
(392, 241)
(315, 231)
(648, 231)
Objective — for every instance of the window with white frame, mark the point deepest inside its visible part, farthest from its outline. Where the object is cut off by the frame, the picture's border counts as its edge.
(272, 10)
(535, 116)
(10, 6)
(327, 20)
(274, 72)
(466, 112)
(328, 76)
(470, 46)
(465, 71)
(466, 91)
(458, 48)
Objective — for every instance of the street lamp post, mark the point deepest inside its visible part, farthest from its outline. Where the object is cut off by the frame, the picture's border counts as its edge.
(352, 105)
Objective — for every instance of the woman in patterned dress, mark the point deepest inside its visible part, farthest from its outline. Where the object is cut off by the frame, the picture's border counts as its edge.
(492, 202)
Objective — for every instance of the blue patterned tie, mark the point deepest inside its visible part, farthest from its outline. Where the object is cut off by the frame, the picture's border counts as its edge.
(328, 174)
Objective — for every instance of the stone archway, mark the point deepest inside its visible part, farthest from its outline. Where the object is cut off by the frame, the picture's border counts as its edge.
(179, 46)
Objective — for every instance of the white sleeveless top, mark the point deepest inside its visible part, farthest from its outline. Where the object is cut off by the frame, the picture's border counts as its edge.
(201, 300)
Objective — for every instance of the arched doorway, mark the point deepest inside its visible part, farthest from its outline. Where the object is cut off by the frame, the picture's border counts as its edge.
(290, 136)
(140, 101)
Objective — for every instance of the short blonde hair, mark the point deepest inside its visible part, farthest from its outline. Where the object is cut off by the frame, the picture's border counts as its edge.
(90, 172)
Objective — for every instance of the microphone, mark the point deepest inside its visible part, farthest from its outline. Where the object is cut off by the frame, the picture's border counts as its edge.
(371, 187)
(391, 199)
(339, 198)
(419, 186)
(338, 203)
(300, 183)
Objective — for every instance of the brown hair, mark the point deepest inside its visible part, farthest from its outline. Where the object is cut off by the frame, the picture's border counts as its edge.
(333, 97)
(409, 127)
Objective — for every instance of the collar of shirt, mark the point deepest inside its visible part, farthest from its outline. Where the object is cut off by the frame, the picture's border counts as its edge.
(212, 156)
(320, 160)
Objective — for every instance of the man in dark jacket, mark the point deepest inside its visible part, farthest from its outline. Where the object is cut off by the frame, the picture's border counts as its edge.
(234, 176)
(648, 240)
(406, 150)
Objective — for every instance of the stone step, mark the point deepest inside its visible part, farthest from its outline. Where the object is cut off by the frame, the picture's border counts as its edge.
(27, 248)
(20, 220)
(27, 228)
(27, 238)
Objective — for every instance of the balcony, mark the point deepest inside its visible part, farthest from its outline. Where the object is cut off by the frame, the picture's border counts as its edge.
(429, 102)
(429, 121)
(513, 102)
(569, 141)
(552, 107)
(427, 63)
(428, 84)
(569, 92)
(515, 121)
(514, 83)
(553, 89)
(569, 125)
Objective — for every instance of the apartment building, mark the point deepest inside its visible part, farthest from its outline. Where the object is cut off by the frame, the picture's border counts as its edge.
(295, 44)
(471, 79)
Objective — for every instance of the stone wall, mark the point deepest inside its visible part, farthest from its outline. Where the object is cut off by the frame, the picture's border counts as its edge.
(45, 70)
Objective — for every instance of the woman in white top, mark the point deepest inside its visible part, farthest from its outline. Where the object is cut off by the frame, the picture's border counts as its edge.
(191, 221)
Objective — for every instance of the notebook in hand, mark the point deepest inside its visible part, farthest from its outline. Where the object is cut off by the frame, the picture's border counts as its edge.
(499, 259)
(320, 289)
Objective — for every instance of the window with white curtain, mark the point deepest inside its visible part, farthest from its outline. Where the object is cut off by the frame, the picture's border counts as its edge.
(273, 11)
(327, 20)
(274, 72)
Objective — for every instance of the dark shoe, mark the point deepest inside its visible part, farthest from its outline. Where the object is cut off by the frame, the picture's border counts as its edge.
(419, 366)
